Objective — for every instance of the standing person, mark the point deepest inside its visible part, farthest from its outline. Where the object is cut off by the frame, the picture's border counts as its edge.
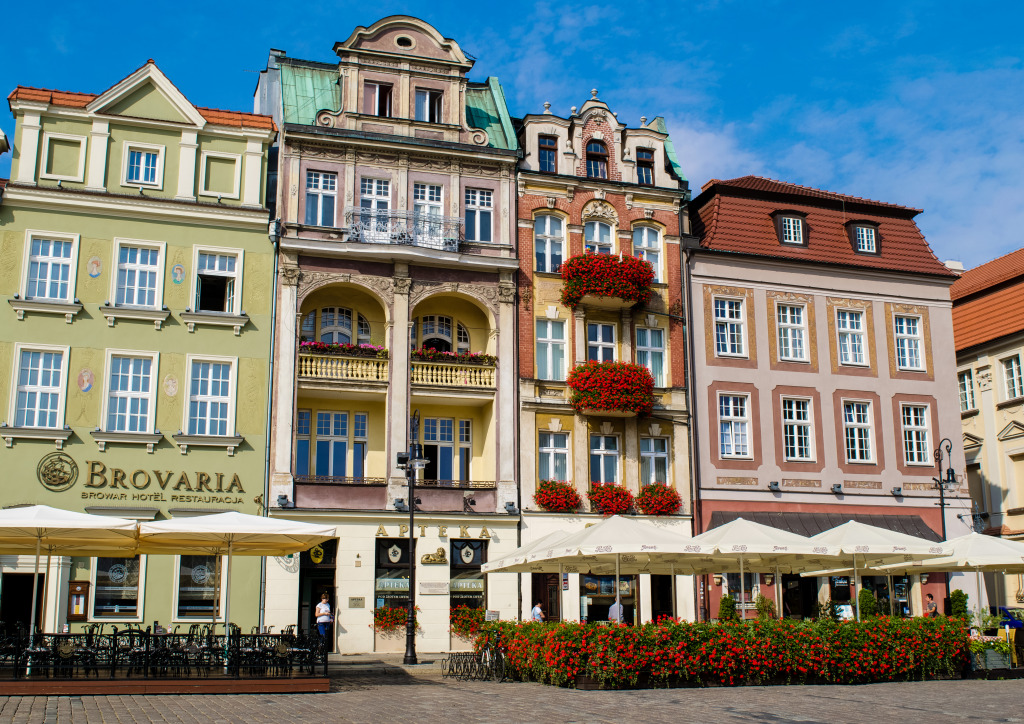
(615, 612)
(931, 610)
(537, 614)
(323, 614)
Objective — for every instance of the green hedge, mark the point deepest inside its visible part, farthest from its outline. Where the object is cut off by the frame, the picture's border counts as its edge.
(672, 653)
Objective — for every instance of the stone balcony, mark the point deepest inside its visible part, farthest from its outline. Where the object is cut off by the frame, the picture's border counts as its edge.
(324, 369)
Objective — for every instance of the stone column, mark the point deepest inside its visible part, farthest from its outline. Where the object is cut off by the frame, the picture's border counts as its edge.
(285, 381)
(187, 148)
(398, 391)
(581, 456)
(252, 175)
(95, 179)
(626, 342)
(507, 377)
(631, 456)
(29, 148)
(580, 319)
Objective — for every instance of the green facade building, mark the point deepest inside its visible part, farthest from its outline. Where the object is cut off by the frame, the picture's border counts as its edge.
(135, 347)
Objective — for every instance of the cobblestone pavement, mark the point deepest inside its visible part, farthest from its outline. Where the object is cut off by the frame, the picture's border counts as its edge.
(423, 696)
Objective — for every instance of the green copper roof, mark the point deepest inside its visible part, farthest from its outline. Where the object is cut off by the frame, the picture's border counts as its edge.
(670, 150)
(486, 110)
(305, 91)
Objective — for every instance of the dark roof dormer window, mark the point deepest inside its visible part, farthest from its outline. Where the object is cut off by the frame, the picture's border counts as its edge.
(864, 237)
(791, 227)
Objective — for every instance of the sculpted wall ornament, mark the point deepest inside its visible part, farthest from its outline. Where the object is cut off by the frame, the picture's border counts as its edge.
(290, 275)
(438, 558)
(311, 281)
(401, 285)
(486, 294)
(602, 210)
(506, 292)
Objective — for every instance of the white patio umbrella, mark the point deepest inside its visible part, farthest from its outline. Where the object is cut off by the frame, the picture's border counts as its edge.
(515, 562)
(972, 552)
(36, 526)
(231, 534)
(869, 546)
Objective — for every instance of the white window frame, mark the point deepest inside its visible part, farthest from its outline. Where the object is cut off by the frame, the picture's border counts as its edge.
(738, 425)
(1013, 376)
(548, 239)
(475, 201)
(79, 176)
(190, 359)
(548, 343)
(319, 192)
(595, 245)
(730, 326)
(126, 155)
(916, 433)
(869, 426)
(236, 190)
(906, 343)
(175, 618)
(161, 248)
(604, 452)
(649, 350)
(965, 385)
(850, 333)
(431, 96)
(140, 609)
(551, 452)
(330, 438)
(791, 230)
(654, 455)
(75, 239)
(62, 392)
(601, 345)
(377, 85)
(154, 377)
(239, 254)
(866, 239)
(642, 250)
(796, 423)
(787, 331)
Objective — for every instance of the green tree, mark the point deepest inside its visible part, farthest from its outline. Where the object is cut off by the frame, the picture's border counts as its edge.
(727, 609)
(765, 607)
(958, 604)
(868, 604)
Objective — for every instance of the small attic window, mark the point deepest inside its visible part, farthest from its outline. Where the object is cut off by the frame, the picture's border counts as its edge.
(404, 41)
(864, 237)
(791, 227)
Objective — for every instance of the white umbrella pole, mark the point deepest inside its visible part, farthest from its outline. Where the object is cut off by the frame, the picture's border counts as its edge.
(892, 596)
(674, 613)
(46, 586)
(560, 594)
(618, 595)
(35, 587)
(856, 593)
(227, 593)
(743, 611)
(778, 594)
(977, 573)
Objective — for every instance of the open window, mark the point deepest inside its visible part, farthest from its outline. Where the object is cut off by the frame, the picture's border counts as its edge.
(429, 105)
(218, 279)
(377, 99)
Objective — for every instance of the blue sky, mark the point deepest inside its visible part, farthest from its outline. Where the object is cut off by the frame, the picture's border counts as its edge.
(917, 103)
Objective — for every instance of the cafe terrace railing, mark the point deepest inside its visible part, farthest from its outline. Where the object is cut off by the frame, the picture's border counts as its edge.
(135, 653)
(332, 480)
(337, 367)
(447, 374)
(460, 484)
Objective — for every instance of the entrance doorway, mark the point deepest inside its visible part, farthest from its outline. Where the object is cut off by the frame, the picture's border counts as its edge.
(547, 589)
(661, 597)
(799, 597)
(16, 601)
(316, 577)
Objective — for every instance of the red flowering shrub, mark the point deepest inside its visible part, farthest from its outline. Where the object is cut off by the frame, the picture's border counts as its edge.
(605, 275)
(465, 621)
(610, 499)
(658, 499)
(617, 386)
(463, 358)
(674, 653)
(344, 350)
(391, 619)
(557, 496)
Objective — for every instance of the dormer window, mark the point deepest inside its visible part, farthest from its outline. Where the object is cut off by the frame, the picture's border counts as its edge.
(645, 167)
(864, 237)
(428, 105)
(377, 99)
(597, 160)
(547, 147)
(791, 228)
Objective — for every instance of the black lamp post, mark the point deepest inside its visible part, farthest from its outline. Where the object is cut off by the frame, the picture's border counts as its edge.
(944, 484)
(411, 462)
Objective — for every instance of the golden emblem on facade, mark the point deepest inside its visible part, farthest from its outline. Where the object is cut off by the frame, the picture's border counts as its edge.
(436, 558)
(57, 471)
(316, 554)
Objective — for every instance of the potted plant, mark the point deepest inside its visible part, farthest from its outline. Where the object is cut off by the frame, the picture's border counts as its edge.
(425, 354)
(989, 652)
(611, 387)
(389, 627)
(342, 349)
(610, 499)
(658, 499)
(604, 275)
(557, 496)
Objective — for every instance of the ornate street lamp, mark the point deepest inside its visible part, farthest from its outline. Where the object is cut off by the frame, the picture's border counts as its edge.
(944, 485)
(411, 462)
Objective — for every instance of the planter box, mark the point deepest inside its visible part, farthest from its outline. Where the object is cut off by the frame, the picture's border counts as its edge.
(601, 302)
(459, 644)
(389, 643)
(591, 412)
(990, 660)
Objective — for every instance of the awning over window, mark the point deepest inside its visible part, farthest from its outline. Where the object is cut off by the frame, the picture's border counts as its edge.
(808, 524)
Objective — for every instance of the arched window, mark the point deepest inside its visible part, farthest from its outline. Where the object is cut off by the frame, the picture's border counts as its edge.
(336, 325)
(462, 338)
(547, 243)
(647, 246)
(597, 160)
(597, 237)
(436, 332)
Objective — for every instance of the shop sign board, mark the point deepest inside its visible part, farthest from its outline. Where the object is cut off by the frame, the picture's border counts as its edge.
(433, 588)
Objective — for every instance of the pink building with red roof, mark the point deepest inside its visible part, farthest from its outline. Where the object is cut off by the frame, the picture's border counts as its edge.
(822, 368)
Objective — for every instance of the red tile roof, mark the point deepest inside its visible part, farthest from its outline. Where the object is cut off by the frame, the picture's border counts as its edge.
(736, 216)
(989, 274)
(988, 301)
(68, 99)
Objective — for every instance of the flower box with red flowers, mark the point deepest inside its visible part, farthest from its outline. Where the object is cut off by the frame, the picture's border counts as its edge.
(610, 499)
(456, 358)
(465, 621)
(658, 499)
(612, 389)
(557, 496)
(340, 349)
(606, 280)
(391, 619)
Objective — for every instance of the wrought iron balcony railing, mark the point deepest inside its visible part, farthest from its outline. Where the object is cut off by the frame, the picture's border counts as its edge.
(407, 228)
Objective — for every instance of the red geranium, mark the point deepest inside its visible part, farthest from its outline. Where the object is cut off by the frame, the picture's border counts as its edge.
(610, 499)
(658, 499)
(620, 386)
(557, 496)
(465, 621)
(605, 275)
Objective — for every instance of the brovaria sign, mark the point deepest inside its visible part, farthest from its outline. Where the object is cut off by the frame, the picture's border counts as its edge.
(59, 472)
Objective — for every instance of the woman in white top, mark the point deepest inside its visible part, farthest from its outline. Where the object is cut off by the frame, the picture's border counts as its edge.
(323, 614)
